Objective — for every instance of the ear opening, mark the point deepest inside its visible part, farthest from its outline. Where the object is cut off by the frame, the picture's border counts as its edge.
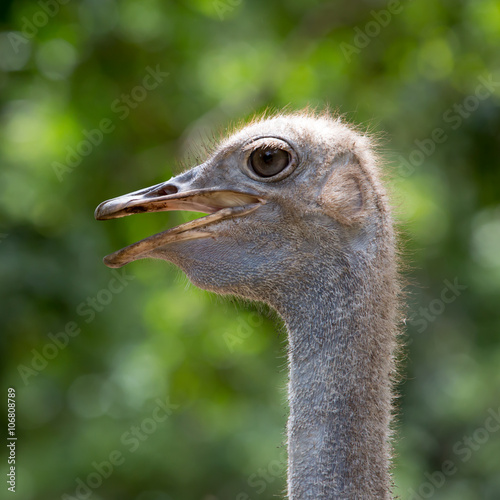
(347, 194)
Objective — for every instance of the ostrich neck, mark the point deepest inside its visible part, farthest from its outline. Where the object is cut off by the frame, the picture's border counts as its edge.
(340, 357)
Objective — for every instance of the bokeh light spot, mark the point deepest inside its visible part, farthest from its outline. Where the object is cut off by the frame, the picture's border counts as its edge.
(56, 59)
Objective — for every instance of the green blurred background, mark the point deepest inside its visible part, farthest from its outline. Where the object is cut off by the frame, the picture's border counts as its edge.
(423, 74)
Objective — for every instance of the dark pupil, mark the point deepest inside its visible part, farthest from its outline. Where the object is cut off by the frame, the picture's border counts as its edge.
(269, 162)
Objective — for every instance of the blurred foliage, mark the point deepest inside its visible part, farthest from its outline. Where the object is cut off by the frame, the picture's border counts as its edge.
(77, 127)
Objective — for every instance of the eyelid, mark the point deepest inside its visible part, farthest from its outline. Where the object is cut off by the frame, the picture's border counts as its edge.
(266, 143)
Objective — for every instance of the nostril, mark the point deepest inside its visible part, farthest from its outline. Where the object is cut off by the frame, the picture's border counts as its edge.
(166, 190)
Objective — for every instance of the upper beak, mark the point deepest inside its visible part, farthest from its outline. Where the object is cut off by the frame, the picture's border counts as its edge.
(221, 204)
(165, 196)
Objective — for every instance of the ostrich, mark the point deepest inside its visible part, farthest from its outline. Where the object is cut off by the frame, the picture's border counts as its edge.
(298, 218)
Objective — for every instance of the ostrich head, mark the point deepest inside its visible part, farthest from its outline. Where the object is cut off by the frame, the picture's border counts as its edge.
(275, 192)
(298, 218)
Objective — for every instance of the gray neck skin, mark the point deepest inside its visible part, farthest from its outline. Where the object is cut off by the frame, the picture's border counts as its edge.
(341, 340)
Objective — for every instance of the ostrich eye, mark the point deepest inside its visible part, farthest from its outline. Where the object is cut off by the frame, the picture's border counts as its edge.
(267, 162)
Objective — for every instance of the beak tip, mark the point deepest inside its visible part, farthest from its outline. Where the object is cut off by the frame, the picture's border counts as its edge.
(99, 213)
(111, 263)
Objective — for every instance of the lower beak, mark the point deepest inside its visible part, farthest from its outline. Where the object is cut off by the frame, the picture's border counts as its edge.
(220, 204)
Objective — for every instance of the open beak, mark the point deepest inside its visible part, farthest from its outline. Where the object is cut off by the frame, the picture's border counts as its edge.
(220, 205)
